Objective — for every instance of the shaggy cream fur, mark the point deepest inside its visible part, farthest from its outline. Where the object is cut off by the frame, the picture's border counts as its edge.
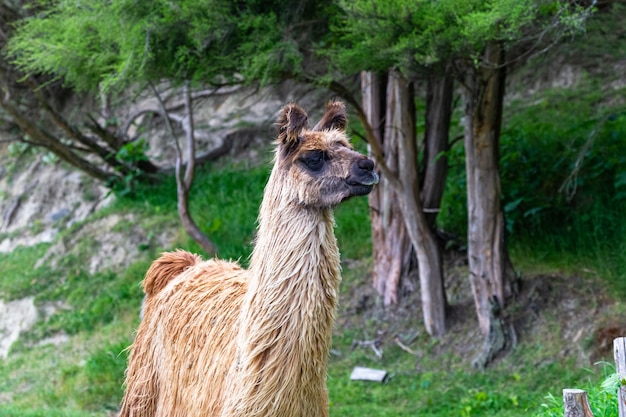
(218, 340)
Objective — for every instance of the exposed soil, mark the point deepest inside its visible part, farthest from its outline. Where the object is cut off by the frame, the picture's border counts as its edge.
(572, 311)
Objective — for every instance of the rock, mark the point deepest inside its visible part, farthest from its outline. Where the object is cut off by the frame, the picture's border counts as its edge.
(113, 242)
(15, 317)
(10, 243)
(58, 215)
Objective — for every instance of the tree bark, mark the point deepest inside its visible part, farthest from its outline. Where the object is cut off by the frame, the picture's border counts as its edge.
(576, 403)
(45, 139)
(106, 155)
(435, 167)
(391, 245)
(490, 270)
(399, 136)
(185, 181)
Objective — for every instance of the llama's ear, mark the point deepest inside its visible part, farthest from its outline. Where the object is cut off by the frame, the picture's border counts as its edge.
(334, 118)
(292, 119)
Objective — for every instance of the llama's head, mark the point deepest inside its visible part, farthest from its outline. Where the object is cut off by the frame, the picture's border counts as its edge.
(319, 163)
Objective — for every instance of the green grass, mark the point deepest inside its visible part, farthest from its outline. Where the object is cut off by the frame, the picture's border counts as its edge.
(12, 411)
(88, 381)
(83, 378)
(602, 397)
(20, 278)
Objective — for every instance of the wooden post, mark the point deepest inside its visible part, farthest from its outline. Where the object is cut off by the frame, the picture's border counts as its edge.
(619, 350)
(576, 403)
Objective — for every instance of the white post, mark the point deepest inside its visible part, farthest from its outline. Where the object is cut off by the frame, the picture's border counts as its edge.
(619, 350)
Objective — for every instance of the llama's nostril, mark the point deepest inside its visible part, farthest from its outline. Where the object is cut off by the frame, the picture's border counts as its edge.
(366, 164)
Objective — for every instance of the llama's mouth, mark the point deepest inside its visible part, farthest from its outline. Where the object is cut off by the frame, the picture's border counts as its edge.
(358, 190)
(370, 179)
(363, 184)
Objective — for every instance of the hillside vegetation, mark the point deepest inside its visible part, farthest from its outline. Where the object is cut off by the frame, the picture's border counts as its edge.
(564, 185)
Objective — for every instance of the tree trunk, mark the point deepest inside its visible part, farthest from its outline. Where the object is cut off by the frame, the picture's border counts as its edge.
(435, 169)
(55, 145)
(576, 403)
(391, 244)
(400, 158)
(185, 181)
(490, 271)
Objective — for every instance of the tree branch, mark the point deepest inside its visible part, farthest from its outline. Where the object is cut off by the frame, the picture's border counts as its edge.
(370, 137)
(53, 144)
(107, 155)
(183, 184)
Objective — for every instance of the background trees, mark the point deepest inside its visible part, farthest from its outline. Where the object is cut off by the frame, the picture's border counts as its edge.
(467, 41)
(390, 45)
(562, 168)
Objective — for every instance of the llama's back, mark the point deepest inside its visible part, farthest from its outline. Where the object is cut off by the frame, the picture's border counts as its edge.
(172, 360)
(166, 268)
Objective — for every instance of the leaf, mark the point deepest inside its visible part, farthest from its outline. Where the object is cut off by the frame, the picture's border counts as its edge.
(513, 205)
(620, 180)
(533, 211)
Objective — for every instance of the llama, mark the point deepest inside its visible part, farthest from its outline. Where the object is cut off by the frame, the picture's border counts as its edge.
(218, 340)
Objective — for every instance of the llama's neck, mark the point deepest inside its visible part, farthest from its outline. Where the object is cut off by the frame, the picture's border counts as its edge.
(295, 246)
(288, 313)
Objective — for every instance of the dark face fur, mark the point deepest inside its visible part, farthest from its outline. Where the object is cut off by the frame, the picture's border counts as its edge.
(324, 168)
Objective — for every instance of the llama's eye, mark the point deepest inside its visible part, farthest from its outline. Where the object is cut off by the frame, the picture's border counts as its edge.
(314, 160)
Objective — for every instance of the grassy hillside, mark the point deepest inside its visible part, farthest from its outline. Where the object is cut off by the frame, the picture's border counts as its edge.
(564, 185)
(83, 376)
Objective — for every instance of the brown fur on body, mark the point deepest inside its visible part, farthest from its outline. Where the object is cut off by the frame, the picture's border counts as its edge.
(217, 340)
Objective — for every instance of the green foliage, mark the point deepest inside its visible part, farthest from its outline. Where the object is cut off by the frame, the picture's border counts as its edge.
(101, 378)
(111, 45)
(18, 148)
(602, 398)
(603, 38)
(115, 44)
(411, 35)
(130, 154)
(562, 162)
(453, 214)
(563, 167)
(567, 150)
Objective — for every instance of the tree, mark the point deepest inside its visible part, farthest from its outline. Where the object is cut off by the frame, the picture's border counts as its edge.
(400, 225)
(392, 250)
(490, 271)
(29, 101)
(397, 228)
(469, 40)
(108, 47)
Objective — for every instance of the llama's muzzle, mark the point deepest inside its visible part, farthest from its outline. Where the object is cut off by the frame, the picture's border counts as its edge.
(363, 177)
